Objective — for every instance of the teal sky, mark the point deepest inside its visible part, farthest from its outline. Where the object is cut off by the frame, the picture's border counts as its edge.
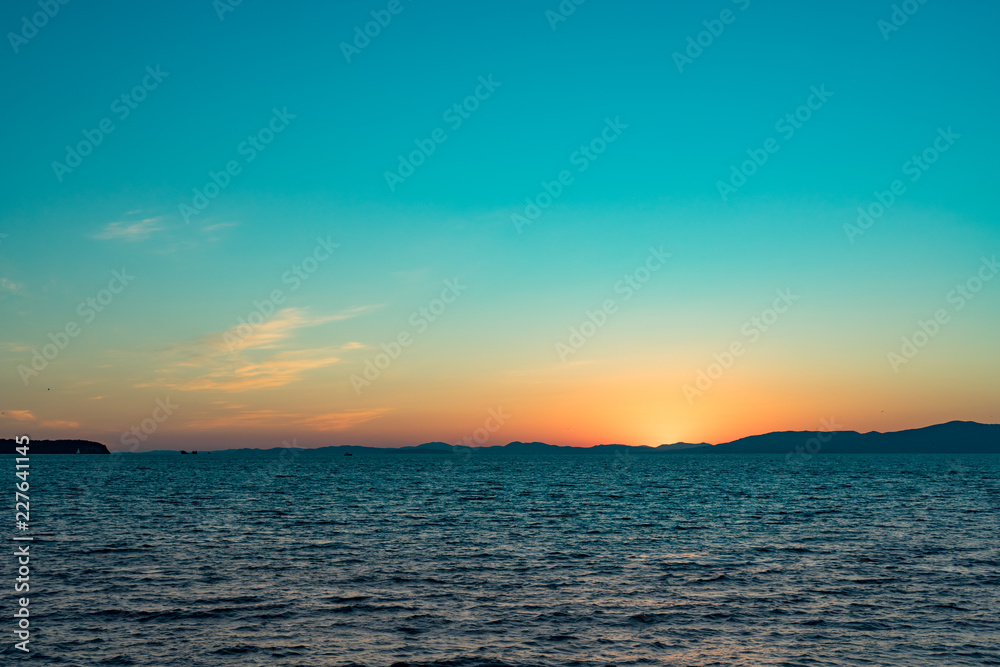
(656, 185)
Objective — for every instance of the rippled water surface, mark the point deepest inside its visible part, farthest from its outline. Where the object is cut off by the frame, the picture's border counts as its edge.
(491, 560)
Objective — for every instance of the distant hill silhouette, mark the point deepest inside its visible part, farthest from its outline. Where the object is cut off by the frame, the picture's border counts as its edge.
(431, 447)
(678, 446)
(956, 437)
(55, 447)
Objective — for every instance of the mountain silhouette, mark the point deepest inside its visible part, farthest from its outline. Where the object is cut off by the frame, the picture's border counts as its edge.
(955, 437)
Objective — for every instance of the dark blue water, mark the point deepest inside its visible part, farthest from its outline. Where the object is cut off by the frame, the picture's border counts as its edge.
(462, 560)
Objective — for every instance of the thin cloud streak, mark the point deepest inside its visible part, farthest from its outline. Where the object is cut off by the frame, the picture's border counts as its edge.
(225, 362)
(129, 231)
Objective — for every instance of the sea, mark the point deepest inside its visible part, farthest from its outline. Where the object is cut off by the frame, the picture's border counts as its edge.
(475, 559)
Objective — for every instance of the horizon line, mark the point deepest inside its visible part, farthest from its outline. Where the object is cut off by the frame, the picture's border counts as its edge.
(512, 442)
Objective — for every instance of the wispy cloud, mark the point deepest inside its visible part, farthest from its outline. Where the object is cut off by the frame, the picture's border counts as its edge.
(217, 226)
(215, 232)
(225, 362)
(338, 421)
(27, 416)
(59, 423)
(284, 368)
(18, 415)
(9, 286)
(129, 231)
(284, 323)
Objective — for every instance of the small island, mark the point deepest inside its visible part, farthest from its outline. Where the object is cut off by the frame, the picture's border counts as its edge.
(56, 447)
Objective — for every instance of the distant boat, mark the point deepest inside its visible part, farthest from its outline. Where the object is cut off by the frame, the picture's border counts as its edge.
(348, 454)
(195, 451)
(183, 452)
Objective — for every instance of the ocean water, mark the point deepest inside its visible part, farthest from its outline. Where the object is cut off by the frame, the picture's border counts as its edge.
(476, 559)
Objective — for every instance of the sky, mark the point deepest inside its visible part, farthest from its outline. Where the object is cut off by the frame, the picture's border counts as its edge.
(242, 225)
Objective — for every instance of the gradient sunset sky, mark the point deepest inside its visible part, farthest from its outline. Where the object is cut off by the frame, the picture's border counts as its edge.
(608, 70)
